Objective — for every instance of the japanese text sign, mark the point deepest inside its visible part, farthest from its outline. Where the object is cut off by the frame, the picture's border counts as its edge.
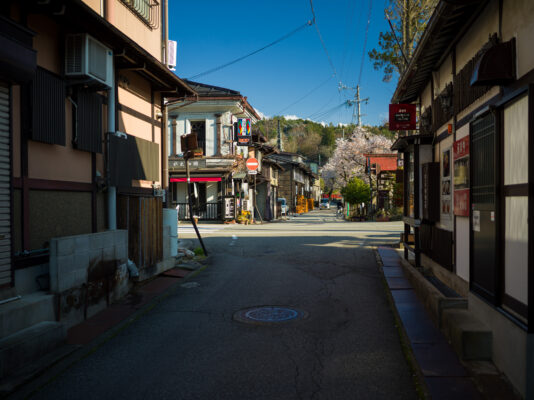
(402, 117)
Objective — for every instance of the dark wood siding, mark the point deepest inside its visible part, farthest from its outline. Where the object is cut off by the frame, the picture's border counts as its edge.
(48, 108)
(143, 218)
(133, 158)
(89, 128)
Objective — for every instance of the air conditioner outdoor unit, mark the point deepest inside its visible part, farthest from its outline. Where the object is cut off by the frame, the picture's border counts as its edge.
(86, 57)
(171, 54)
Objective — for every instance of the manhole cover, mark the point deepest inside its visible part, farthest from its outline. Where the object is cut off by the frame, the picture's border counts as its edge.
(269, 314)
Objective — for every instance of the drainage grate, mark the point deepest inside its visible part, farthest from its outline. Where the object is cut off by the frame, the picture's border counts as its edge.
(269, 315)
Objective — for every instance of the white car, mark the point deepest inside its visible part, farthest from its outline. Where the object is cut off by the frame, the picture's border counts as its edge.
(325, 203)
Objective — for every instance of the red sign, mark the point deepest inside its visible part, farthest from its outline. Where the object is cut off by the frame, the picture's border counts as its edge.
(252, 164)
(461, 148)
(461, 202)
(402, 117)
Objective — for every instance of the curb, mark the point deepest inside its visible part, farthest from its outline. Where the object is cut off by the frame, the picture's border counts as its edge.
(417, 373)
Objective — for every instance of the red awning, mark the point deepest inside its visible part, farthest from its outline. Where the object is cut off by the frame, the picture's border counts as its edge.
(198, 179)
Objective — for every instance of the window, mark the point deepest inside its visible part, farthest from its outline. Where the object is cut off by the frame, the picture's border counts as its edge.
(146, 10)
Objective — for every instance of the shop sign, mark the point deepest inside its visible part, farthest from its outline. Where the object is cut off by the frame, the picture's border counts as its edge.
(461, 177)
(402, 117)
(461, 202)
(243, 132)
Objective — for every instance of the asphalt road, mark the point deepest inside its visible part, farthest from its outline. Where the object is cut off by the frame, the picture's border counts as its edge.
(190, 346)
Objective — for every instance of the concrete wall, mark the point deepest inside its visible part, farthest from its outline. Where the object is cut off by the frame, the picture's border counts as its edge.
(84, 267)
(510, 350)
(518, 23)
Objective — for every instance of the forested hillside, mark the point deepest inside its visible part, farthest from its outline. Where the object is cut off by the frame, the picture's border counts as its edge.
(313, 140)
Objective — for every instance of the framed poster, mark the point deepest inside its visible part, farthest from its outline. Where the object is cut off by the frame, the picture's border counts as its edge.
(461, 177)
(446, 188)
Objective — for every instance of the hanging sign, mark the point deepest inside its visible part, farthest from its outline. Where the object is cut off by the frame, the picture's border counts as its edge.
(402, 117)
(461, 177)
(243, 131)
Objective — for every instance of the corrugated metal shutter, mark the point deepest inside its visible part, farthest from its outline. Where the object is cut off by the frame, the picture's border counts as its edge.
(5, 191)
(89, 135)
(48, 103)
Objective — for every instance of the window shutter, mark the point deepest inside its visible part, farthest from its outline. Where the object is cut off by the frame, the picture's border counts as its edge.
(48, 108)
(89, 130)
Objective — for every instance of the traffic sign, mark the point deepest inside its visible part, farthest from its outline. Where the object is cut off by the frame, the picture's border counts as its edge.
(252, 164)
(252, 172)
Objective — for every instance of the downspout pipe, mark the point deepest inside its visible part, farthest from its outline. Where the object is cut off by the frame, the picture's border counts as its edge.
(165, 118)
(112, 190)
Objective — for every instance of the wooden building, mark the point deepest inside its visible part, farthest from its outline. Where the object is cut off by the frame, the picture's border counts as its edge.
(469, 176)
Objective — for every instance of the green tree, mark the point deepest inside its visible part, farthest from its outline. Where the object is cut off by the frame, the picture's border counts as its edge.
(409, 19)
(356, 192)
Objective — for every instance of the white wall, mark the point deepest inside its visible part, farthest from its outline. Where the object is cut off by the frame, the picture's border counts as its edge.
(183, 126)
(516, 208)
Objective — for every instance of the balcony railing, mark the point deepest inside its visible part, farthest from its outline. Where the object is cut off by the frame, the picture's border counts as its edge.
(206, 211)
(146, 10)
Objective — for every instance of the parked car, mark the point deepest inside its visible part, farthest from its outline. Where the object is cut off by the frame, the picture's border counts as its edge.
(325, 203)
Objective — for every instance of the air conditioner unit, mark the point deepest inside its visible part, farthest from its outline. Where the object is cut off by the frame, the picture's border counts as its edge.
(87, 58)
(171, 53)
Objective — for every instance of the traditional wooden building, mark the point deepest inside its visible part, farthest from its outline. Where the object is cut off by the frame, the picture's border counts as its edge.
(211, 114)
(82, 88)
(469, 175)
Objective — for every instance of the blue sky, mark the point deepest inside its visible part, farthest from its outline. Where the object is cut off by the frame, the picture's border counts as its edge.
(212, 32)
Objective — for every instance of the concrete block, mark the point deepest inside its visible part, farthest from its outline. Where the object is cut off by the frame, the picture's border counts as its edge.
(65, 246)
(27, 311)
(28, 345)
(108, 253)
(64, 264)
(81, 243)
(97, 240)
(121, 253)
(81, 261)
(53, 247)
(121, 237)
(470, 338)
(54, 274)
(95, 256)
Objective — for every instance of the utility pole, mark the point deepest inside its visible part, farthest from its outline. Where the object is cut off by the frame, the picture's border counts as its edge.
(356, 112)
(280, 145)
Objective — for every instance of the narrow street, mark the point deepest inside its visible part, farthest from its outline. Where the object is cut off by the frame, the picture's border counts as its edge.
(337, 340)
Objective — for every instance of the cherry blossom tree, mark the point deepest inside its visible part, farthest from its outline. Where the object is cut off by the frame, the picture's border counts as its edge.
(348, 160)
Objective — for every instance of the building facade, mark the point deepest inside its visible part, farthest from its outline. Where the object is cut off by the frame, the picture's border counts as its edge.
(82, 88)
(468, 172)
(211, 115)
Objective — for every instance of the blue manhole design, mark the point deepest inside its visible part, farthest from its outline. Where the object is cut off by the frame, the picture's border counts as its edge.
(269, 314)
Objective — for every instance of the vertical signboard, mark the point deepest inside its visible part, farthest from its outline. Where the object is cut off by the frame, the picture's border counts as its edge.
(461, 177)
(243, 132)
(446, 187)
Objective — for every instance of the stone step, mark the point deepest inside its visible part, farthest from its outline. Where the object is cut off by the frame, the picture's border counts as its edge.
(29, 345)
(25, 312)
(471, 339)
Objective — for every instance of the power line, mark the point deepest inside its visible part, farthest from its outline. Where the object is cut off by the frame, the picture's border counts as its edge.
(306, 95)
(309, 23)
(365, 40)
(325, 113)
(321, 39)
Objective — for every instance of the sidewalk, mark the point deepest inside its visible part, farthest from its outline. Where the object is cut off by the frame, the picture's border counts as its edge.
(443, 374)
(84, 337)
